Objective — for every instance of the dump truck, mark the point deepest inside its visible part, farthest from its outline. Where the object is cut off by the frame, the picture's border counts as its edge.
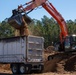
(23, 53)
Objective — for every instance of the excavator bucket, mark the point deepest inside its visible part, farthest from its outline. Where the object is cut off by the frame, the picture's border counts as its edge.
(16, 21)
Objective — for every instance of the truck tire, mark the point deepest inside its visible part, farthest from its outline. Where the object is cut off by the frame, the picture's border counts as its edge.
(41, 67)
(14, 68)
(22, 69)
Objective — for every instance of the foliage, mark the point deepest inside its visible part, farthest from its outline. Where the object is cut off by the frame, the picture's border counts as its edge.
(46, 27)
(49, 29)
(6, 30)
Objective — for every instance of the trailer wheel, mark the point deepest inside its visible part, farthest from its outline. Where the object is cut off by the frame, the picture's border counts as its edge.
(23, 69)
(41, 67)
(14, 68)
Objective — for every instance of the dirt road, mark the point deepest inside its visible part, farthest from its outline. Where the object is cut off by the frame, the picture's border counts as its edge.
(8, 72)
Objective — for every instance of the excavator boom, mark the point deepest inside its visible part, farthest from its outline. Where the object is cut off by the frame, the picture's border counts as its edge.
(57, 16)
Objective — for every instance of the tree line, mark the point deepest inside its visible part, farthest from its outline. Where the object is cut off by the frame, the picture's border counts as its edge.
(46, 27)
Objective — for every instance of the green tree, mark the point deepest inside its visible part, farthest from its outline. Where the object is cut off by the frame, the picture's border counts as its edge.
(6, 30)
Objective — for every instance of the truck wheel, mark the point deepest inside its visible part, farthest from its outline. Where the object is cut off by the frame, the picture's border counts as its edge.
(23, 69)
(14, 68)
(41, 67)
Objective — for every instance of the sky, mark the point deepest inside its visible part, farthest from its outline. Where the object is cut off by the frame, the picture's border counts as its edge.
(67, 8)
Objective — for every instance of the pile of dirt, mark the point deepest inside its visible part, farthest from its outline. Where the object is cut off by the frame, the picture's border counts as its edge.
(5, 66)
(61, 63)
(50, 66)
(50, 49)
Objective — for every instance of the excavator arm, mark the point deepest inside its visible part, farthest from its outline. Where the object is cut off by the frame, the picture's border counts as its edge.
(50, 9)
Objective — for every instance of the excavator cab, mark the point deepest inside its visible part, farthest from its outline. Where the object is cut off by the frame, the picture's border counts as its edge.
(73, 42)
(69, 45)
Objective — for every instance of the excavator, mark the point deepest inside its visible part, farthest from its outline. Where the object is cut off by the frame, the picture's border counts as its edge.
(19, 20)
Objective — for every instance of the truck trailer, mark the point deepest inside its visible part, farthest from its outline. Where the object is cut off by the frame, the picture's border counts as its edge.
(23, 53)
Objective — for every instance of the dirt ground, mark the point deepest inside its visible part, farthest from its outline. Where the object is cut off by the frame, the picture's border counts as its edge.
(57, 66)
(8, 72)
